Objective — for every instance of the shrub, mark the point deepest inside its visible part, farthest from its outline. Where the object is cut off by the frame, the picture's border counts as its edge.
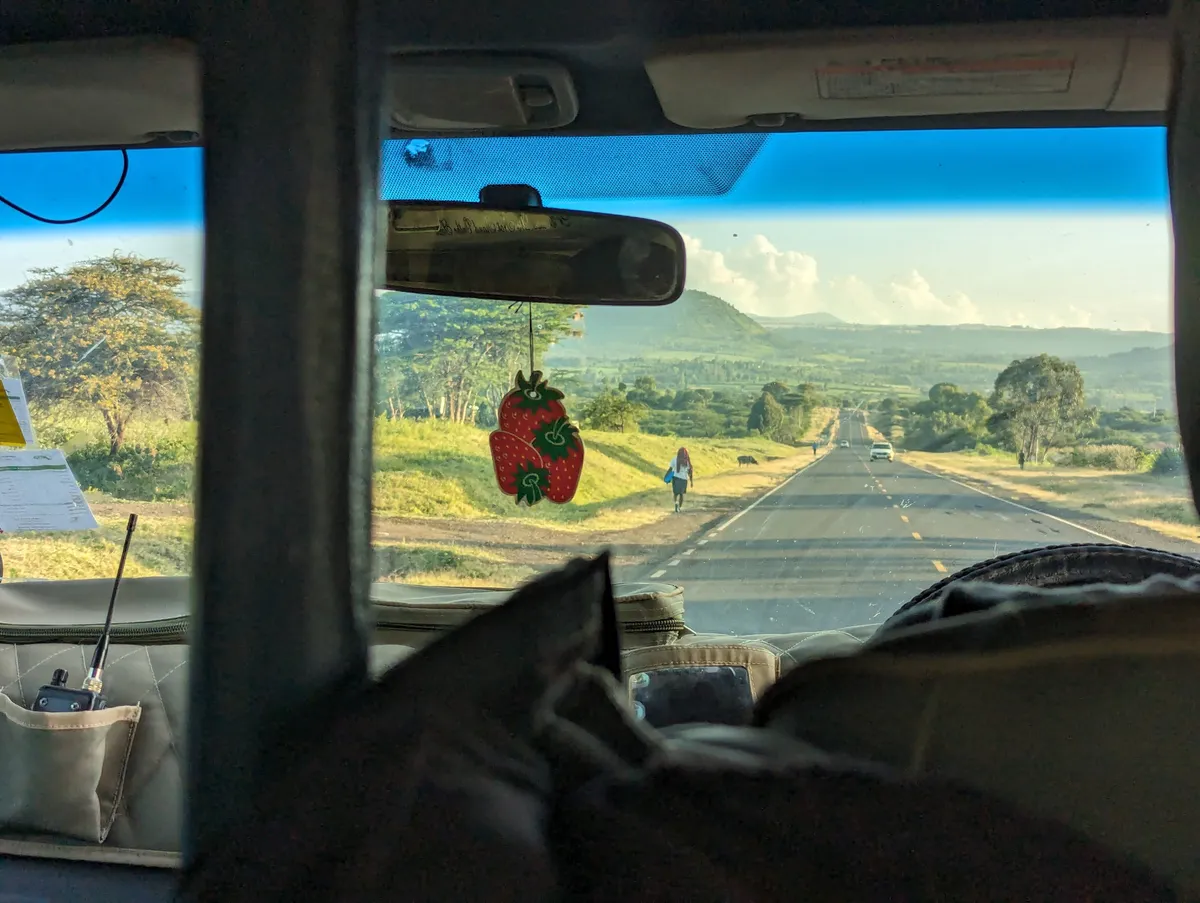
(1168, 462)
(162, 470)
(1107, 457)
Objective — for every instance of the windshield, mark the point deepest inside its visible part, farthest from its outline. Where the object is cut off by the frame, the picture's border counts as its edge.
(992, 308)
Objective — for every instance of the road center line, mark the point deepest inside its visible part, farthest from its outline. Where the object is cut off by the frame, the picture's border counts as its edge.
(904, 517)
(689, 552)
(939, 567)
(702, 542)
(916, 535)
(656, 575)
(672, 562)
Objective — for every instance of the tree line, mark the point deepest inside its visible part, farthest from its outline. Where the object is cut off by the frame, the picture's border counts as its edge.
(777, 412)
(113, 336)
(1036, 406)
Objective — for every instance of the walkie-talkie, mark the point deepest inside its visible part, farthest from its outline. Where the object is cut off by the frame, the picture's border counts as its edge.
(56, 696)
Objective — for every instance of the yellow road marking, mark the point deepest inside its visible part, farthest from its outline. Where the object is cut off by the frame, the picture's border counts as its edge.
(941, 568)
(904, 517)
(916, 535)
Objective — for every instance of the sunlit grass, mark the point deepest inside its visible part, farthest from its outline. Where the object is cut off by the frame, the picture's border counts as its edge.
(424, 469)
(430, 469)
(162, 546)
(435, 564)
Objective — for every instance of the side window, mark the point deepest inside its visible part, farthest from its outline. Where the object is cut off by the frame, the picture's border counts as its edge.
(99, 329)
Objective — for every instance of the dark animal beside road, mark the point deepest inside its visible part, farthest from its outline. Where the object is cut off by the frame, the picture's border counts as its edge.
(746, 459)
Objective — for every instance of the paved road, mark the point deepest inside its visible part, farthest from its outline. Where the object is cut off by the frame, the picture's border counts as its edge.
(846, 542)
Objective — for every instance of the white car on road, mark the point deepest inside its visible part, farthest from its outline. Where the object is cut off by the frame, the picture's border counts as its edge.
(882, 450)
(844, 444)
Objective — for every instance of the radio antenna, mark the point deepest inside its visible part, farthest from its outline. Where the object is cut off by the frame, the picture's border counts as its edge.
(95, 678)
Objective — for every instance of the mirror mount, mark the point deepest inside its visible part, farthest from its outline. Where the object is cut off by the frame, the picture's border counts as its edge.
(510, 197)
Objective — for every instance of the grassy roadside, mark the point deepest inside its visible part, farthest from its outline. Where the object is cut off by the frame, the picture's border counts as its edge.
(425, 469)
(480, 538)
(822, 426)
(1162, 504)
(439, 474)
(501, 553)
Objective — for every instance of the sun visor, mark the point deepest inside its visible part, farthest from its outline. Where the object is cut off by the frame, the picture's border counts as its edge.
(568, 169)
(472, 92)
(1105, 65)
(99, 93)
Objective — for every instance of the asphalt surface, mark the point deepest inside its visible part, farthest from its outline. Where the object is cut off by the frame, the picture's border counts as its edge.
(846, 542)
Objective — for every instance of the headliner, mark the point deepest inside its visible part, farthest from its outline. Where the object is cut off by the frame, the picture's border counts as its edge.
(604, 44)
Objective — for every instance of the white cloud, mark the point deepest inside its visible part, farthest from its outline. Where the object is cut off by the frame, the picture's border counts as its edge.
(708, 271)
(918, 303)
(758, 277)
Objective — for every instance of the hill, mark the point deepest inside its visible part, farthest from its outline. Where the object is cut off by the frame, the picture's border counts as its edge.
(698, 322)
(703, 341)
(819, 318)
(968, 342)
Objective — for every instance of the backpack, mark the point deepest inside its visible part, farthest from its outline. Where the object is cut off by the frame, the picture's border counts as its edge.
(502, 763)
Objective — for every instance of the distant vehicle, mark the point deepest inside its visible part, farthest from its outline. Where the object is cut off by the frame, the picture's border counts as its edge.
(746, 459)
(882, 450)
(844, 444)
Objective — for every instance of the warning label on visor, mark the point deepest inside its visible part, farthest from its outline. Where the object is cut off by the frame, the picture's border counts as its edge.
(946, 76)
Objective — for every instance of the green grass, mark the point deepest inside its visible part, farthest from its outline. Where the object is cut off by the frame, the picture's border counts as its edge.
(430, 469)
(441, 564)
(162, 546)
(423, 469)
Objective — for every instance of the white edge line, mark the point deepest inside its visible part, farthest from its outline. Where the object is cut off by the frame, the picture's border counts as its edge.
(1022, 507)
(751, 506)
(762, 498)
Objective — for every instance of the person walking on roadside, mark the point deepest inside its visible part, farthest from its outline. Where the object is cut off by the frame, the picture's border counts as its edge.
(681, 476)
(814, 449)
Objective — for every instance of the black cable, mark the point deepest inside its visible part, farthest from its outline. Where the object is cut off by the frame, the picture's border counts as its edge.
(75, 219)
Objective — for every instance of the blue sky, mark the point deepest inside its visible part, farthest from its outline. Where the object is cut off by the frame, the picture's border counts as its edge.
(1043, 228)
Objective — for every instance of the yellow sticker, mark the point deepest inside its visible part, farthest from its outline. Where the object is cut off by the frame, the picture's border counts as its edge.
(10, 427)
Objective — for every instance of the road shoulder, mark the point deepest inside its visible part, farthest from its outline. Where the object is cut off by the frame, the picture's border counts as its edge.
(1075, 515)
(497, 551)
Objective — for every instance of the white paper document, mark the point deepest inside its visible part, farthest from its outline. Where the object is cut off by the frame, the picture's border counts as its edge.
(39, 492)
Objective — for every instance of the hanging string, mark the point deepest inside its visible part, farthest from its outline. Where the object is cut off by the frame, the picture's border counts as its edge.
(514, 306)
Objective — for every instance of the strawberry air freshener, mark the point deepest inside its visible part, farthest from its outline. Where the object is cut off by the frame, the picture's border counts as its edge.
(536, 451)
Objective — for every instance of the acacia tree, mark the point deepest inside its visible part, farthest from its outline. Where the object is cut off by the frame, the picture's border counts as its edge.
(460, 351)
(112, 334)
(1039, 403)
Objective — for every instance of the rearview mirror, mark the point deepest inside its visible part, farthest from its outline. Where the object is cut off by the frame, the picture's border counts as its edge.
(531, 254)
